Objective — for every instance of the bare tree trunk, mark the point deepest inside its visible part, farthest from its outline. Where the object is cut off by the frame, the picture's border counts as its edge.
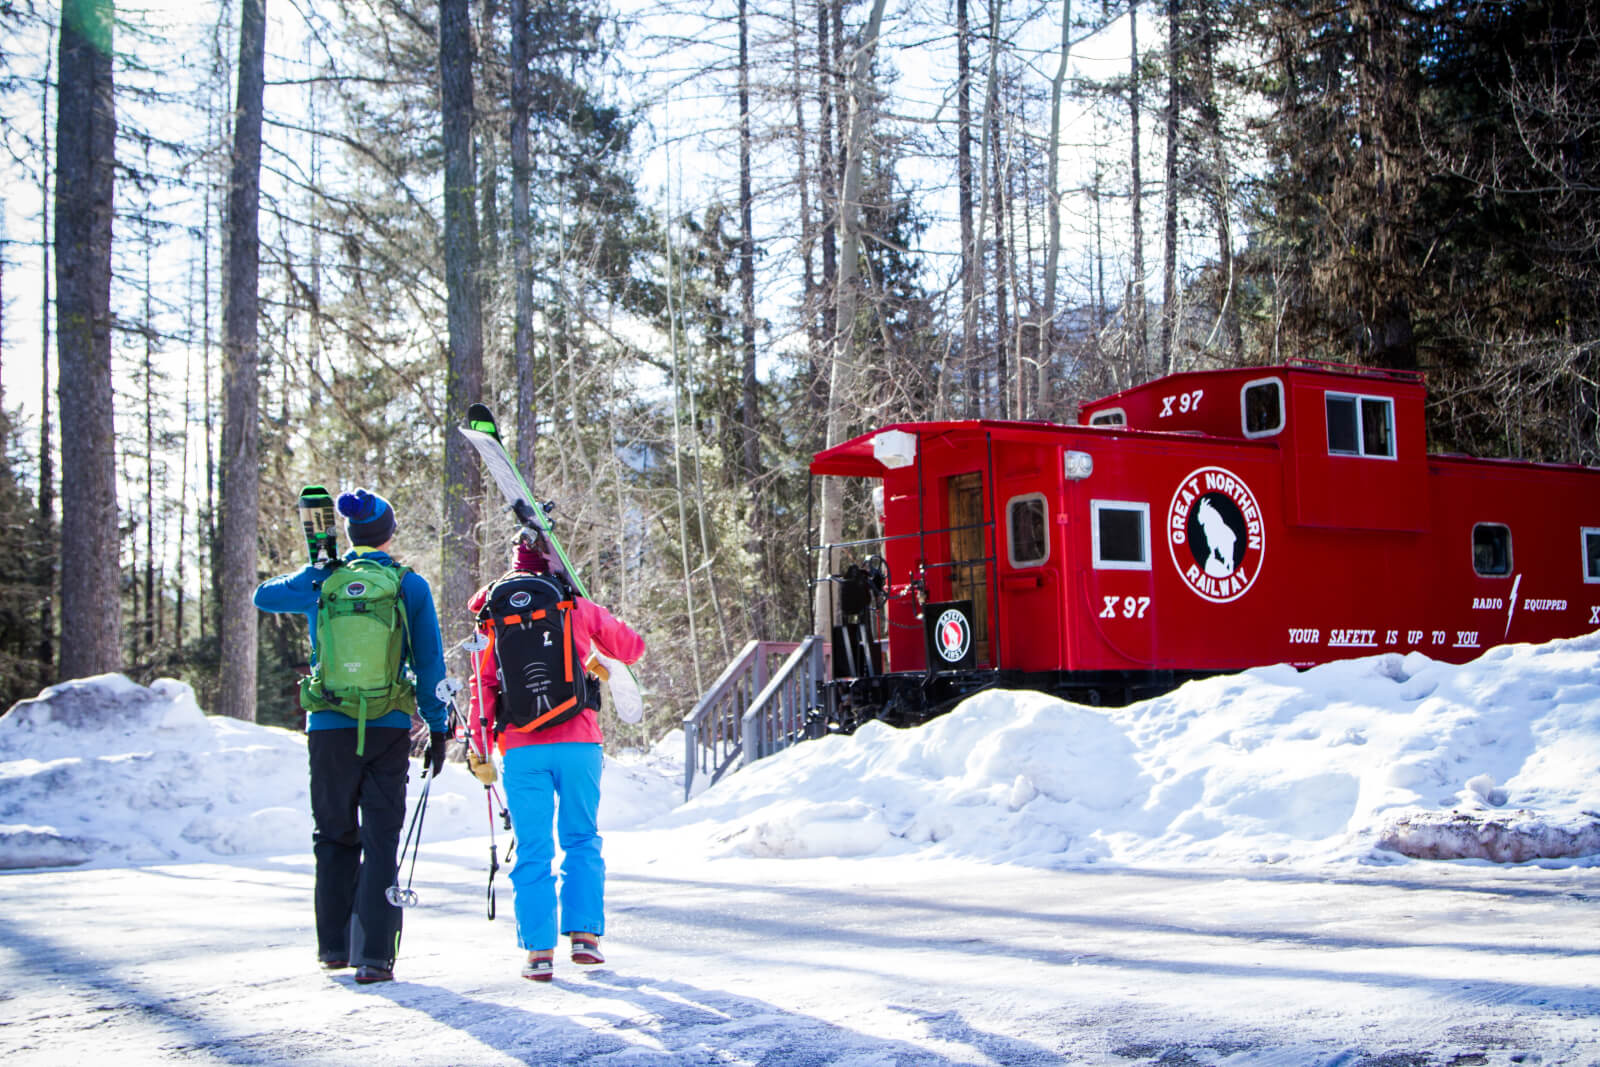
(180, 594)
(747, 260)
(1099, 271)
(522, 234)
(1169, 266)
(1227, 317)
(997, 200)
(678, 390)
(314, 336)
(1136, 298)
(827, 193)
(842, 372)
(837, 75)
(749, 419)
(464, 378)
(1022, 268)
(47, 476)
(241, 428)
(487, 161)
(85, 156)
(148, 630)
(213, 572)
(971, 257)
(1052, 256)
(808, 230)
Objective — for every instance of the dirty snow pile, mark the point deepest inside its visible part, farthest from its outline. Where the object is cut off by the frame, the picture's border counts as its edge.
(1367, 760)
(104, 769)
(1363, 760)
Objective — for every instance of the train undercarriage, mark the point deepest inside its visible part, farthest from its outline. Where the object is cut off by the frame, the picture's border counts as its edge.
(912, 698)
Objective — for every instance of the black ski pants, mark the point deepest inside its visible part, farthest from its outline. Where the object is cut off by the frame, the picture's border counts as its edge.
(358, 807)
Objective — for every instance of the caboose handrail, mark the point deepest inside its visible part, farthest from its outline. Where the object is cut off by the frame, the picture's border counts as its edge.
(713, 732)
(780, 714)
(1395, 374)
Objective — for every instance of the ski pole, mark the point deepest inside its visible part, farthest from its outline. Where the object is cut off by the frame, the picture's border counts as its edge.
(494, 861)
(407, 897)
(475, 644)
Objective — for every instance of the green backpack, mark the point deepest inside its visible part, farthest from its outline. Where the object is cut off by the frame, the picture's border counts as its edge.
(361, 634)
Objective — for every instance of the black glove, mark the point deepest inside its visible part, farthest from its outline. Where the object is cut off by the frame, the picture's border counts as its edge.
(435, 756)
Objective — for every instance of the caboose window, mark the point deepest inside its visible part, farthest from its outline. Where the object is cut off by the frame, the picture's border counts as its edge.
(1360, 425)
(1491, 549)
(1109, 417)
(1121, 532)
(1029, 541)
(1262, 402)
(1591, 554)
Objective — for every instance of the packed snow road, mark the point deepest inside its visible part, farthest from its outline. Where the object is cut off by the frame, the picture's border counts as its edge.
(825, 961)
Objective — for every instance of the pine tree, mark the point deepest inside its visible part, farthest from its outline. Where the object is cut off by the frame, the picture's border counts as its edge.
(21, 592)
(85, 160)
(241, 441)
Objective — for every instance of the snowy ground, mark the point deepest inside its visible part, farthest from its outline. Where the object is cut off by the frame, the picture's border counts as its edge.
(1209, 878)
(827, 962)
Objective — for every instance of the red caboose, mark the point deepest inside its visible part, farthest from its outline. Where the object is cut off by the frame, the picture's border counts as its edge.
(1205, 522)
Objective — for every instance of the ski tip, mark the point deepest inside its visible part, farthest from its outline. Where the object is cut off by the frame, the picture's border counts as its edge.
(480, 418)
(313, 491)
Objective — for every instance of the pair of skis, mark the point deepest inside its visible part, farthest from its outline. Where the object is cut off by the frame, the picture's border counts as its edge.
(483, 433)
(319, 521)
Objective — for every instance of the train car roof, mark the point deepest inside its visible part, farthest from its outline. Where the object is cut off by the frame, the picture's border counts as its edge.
(880, 450)
(873, 454)
(1295, 367)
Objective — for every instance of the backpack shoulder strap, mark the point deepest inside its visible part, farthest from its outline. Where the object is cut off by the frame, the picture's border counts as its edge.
(400, 605)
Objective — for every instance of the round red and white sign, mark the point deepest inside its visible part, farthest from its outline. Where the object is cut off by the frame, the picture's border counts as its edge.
(952, 635)
(1216, 534)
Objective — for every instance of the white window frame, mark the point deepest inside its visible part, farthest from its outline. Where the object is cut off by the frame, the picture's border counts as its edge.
(1011, 557)
(1143, 508)
(1584, 535)
(1244, 410)
(1122, 417)
(1361, 442)
(1511, 559)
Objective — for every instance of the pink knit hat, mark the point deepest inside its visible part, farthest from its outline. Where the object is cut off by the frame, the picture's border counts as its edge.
(526, 558)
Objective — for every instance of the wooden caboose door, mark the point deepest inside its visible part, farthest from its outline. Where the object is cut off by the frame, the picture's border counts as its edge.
(969, 563)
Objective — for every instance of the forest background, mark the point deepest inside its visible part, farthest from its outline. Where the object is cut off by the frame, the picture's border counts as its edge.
(682, 247)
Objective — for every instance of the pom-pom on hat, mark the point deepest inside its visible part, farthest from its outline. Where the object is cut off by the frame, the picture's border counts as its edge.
(368, 518)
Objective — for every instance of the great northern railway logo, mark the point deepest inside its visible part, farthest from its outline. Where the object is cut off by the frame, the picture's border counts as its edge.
(953, 635)
(1215, 534)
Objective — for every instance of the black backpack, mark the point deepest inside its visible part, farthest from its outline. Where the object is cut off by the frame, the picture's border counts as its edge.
(528, 618)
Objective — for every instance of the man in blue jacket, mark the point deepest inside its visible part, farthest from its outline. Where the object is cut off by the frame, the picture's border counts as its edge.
(359, 763)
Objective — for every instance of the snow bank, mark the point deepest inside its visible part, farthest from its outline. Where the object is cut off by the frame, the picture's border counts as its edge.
(1369, 760)
(106, 770)
(1358, 760)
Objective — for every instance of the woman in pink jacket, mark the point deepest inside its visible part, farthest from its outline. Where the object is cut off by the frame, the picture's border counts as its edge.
(551, 772)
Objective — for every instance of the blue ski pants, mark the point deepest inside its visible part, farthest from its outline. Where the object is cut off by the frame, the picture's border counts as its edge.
(560, 784)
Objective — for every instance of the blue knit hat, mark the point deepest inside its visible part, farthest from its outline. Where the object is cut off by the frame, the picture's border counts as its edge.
(368, 518)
